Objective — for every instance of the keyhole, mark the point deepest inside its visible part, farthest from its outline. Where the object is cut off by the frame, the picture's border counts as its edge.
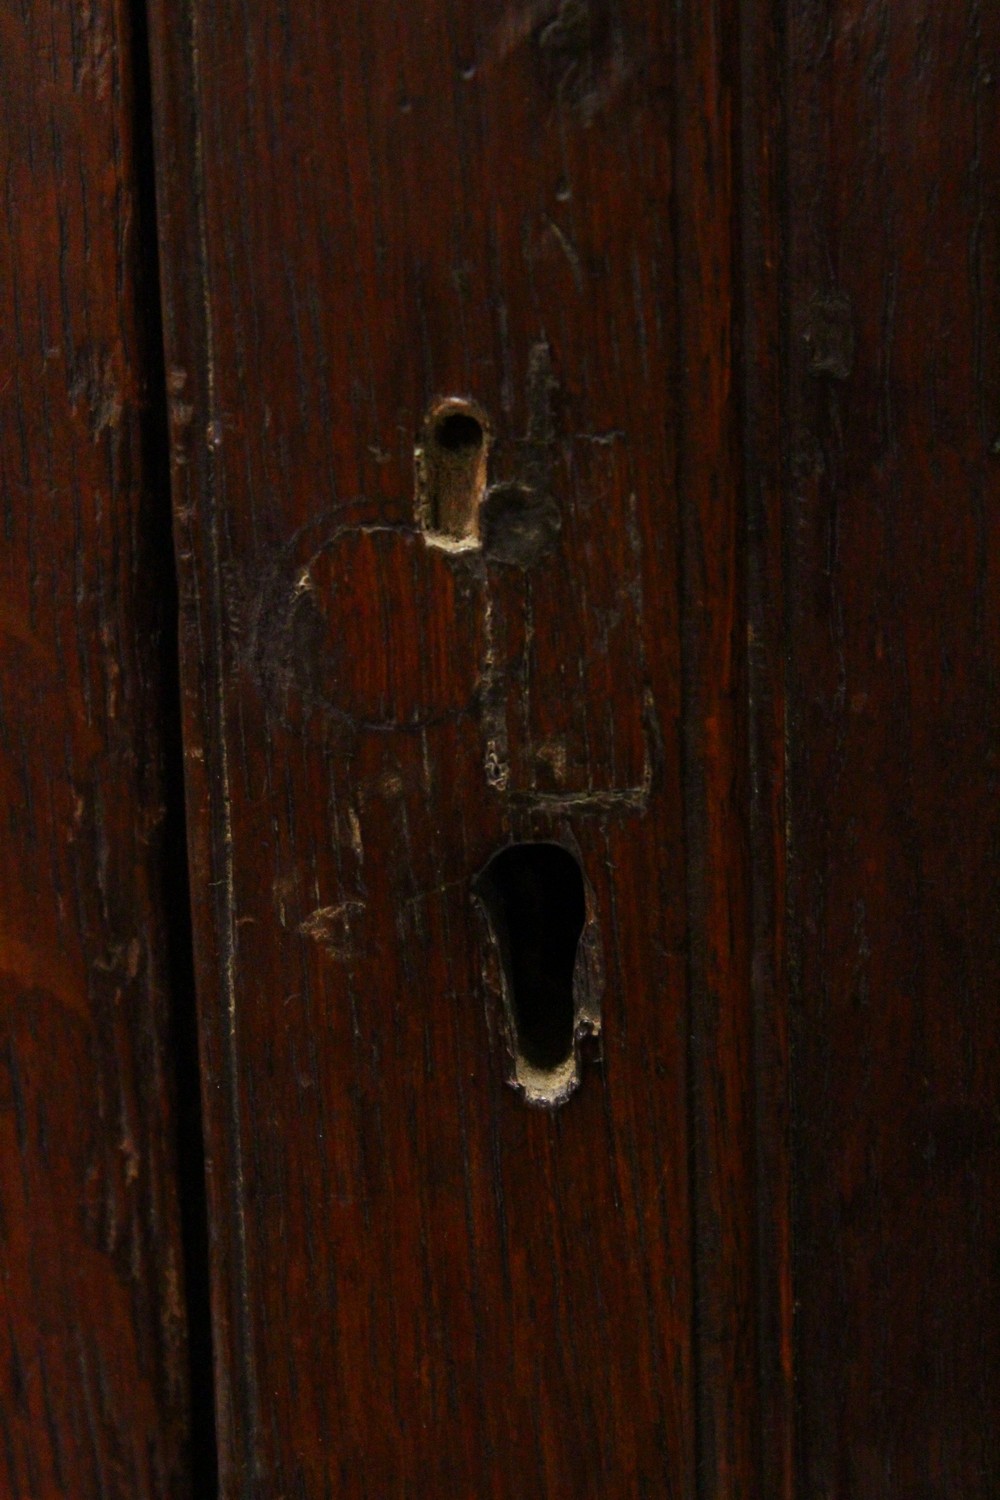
(451, 472)
(533, 895)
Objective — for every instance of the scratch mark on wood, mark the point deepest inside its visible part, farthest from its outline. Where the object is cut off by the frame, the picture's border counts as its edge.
(335, 927)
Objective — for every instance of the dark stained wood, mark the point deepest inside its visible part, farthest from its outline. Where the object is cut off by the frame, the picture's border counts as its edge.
(722, 284)
(422, 1283)
(92, 1341)
(892, 547)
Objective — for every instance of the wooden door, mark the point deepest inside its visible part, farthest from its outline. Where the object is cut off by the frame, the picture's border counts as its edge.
(582, 430)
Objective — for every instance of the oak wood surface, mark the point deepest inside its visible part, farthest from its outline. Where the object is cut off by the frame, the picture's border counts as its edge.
(93, 1378)
(422, 1283)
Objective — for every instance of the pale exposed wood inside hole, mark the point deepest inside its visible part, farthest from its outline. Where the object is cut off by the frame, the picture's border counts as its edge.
(451, 459)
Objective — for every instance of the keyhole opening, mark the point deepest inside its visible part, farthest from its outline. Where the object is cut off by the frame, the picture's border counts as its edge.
(451, 471)
(534, 897)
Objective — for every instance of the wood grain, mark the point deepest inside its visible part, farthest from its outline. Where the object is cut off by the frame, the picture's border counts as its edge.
(722, 284)
(892, 542)
(422, 1283)
(93, 1377)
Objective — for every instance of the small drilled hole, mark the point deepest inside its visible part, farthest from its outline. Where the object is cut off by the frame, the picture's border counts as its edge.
(534, 898)
(458, 432)
(451, 471)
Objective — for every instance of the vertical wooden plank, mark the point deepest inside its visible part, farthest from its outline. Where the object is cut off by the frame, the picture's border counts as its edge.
(762, 171)
(92, 1340)
(892, 548)
(421, 1278)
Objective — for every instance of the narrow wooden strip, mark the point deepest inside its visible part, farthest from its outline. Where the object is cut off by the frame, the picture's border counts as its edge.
(762, 133)
(716, 752)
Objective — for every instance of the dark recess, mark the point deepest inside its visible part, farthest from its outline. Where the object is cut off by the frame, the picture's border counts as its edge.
(458, 431)
(203, 1468)
(533, 894)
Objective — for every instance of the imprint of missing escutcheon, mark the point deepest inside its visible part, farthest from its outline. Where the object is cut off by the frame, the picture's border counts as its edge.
(451, 457)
